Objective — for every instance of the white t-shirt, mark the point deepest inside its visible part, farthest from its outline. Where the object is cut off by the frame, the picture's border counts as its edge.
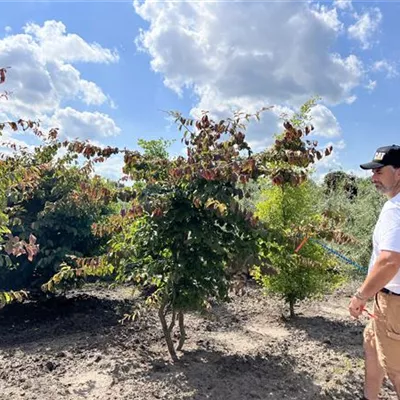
(387, 236)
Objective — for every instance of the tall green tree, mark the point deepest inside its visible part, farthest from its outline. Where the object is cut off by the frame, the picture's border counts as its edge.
(288, 208)
(292, 214)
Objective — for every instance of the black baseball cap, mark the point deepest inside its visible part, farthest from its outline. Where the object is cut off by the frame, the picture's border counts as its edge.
(387, 155)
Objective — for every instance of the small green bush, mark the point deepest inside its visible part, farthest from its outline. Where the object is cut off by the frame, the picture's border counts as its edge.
(291, 213)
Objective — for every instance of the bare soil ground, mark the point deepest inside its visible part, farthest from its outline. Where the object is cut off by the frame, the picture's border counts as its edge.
(75, 348)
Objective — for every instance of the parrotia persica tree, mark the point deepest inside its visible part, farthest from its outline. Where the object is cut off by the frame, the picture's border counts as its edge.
(48, 204)
(185, 226)
(59, 210)
(289, 208)
(12, 175)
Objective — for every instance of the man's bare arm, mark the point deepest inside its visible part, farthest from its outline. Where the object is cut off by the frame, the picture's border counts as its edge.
(386, 267)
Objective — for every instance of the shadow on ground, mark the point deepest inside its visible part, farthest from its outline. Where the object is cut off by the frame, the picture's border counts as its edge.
(218, 376)
(343, 336)
(60, 316)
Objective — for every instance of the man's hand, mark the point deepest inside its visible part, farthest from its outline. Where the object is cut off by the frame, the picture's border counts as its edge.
(356, 306)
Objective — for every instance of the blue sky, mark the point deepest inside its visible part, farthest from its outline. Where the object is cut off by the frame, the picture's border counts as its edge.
(104, 71)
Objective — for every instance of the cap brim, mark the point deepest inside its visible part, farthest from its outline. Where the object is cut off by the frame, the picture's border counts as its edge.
(372, 165)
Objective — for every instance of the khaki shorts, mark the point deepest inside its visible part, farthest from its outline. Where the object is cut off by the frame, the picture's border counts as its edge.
(385, 331)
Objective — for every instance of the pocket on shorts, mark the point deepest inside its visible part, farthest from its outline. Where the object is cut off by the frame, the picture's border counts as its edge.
(393, 318)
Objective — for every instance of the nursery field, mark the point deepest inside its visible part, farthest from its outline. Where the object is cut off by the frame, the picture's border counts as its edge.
(183, 231)
(75, 348)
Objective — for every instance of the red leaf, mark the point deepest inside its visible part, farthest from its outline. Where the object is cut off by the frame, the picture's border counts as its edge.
(13, 126)
(2, 75)
(32, 239)
(157, 212)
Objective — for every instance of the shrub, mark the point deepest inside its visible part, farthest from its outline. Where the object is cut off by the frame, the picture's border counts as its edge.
(59, 210)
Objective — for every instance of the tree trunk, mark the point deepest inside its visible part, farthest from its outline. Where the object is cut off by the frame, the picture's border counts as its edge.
(167, 333)
(182, 330)
(172, 324)
(291, 308)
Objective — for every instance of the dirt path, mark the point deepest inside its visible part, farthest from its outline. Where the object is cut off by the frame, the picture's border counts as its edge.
(76, 349)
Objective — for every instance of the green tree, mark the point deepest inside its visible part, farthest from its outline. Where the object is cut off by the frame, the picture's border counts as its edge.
(340, 180)
(186, 222)
(288, 209)
(156, 148)
(291, 212)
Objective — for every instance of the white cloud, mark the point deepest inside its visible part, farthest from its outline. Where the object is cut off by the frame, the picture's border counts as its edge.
(68, 84)
(326, 165)
(340, 145)
(366, 25)
(324, 122)
(113, 104)
(371, 85)
(9, 138)
(83, 125)
(336, 165)
(260, 55)
(43, 80)
(329, 163)
(329, 17)
(385, 66)
(333, 162)
(236, 59)
(343, 4)
(38, 83)
(56, 44)
(351, 99)
(111, 168)
(91, 93)
(8, 29)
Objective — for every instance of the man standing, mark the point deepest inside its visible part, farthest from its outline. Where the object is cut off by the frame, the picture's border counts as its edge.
(382, 334)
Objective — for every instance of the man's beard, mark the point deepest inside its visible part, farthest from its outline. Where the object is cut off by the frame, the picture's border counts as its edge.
(395, 188)
(380, 188)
